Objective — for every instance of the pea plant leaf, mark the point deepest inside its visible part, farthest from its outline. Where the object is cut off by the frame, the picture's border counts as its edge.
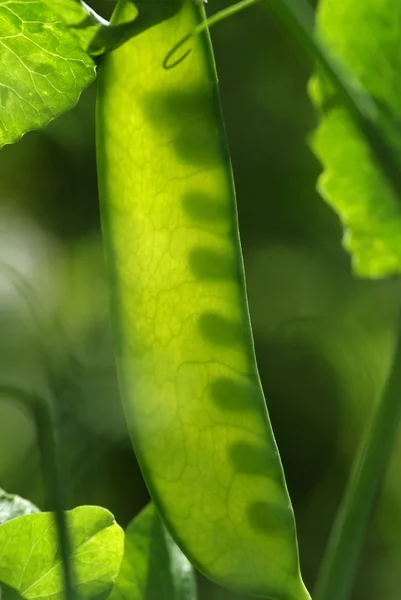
(94, 34)
(72, 12)
(30, 566)
(43, 70)
(12, 506)
(153, 567)
(364, 34)
(83, 23)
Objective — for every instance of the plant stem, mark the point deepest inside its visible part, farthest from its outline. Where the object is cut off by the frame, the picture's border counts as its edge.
(341, 556)
(45, 429)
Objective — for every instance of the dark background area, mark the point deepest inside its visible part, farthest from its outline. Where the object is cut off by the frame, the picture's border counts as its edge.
(323, 339)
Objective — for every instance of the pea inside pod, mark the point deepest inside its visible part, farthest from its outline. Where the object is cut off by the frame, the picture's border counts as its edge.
(183, 340)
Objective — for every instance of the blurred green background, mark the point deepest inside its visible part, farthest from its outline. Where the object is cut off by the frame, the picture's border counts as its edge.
(323, 339)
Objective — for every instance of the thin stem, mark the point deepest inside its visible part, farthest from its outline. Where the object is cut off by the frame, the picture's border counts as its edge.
(98, 19)
(341, 556)
(42, 416)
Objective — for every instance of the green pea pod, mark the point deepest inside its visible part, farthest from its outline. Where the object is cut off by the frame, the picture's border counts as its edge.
(183, 340)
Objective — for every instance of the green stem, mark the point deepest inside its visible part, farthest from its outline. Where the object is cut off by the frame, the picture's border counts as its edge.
(42, 415)
(341, 556)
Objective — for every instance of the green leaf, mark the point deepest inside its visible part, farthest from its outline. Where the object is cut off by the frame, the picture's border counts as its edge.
(95, 35)
(72, 12)
(12, 506)
(30, 563)
(364, 34)
(80, 20)
(184, 349)
(42, 69)
(153, 567)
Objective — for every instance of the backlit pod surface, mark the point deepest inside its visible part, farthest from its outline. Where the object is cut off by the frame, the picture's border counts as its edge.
(185, 359)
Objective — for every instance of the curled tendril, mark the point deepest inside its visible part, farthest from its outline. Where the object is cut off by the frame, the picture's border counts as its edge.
(168, 63)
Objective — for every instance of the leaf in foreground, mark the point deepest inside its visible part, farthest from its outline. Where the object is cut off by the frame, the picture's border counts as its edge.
(42, 69)
(12, 506)
(94, 34)
(364, 34)
(29, 560)
(80, 21)
(153, 567)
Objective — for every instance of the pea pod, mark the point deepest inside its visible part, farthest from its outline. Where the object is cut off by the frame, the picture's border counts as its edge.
(183, 340)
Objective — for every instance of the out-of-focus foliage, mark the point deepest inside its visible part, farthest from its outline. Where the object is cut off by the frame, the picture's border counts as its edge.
(12, 506)
(153, 567)
(323, 339)
(30, 563)
(42, 71)
(365, 36)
